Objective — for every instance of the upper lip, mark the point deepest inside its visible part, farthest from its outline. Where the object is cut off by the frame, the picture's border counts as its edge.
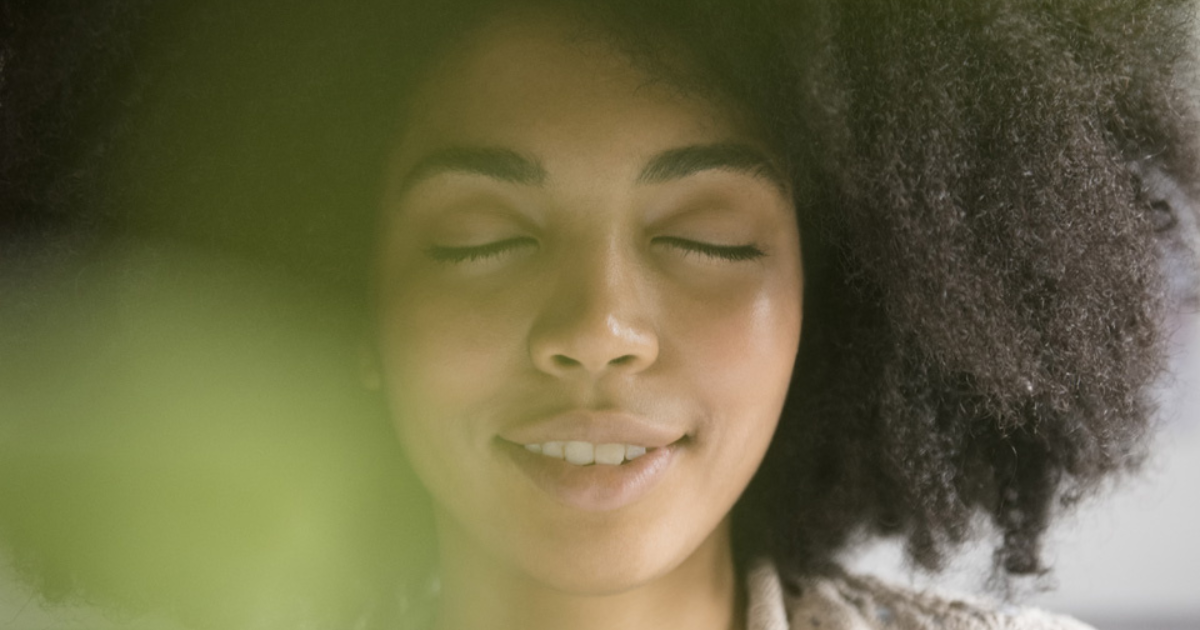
(597, 427)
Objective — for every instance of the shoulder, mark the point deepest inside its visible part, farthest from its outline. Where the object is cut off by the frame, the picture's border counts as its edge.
(841, 601)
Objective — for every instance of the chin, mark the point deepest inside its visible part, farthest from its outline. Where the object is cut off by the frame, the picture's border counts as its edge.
(600, 578)
(608, 562)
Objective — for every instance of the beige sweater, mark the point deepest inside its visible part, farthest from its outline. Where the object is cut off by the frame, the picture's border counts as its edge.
(845, 602)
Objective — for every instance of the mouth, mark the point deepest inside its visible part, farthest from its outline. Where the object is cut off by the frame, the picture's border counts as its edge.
(591, 460)
(592, 477)
(587, 453)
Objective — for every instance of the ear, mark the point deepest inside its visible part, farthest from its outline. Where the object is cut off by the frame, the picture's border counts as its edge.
(370, 372)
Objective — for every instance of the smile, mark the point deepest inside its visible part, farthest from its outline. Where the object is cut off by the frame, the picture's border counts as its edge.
(591, 477)
(587, 453)
(593, 460)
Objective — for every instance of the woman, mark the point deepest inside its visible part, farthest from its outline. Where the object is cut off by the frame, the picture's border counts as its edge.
(669, 302)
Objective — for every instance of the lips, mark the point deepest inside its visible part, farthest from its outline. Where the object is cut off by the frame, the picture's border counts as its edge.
(597, 486)
(596, 427)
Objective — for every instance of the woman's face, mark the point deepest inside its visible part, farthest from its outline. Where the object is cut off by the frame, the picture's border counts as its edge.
(581, 260)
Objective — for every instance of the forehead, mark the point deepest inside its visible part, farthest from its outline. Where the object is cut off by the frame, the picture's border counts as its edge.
(540, 84)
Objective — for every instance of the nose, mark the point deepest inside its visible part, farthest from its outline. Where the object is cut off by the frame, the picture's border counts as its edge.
(596, 321)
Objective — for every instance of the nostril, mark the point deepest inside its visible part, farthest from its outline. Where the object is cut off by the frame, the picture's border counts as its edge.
(561, 360)
(564, 361)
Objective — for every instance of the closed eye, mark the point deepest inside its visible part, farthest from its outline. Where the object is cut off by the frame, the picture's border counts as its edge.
(734, 253)
(474, 253)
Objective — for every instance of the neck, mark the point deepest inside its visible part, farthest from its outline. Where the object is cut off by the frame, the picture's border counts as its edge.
(479, 593)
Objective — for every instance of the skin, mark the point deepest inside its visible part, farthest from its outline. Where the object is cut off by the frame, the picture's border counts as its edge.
(561, 276)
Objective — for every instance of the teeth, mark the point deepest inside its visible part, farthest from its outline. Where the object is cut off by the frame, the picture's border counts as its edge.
(586, 453)
(580, 453)
(611, 454)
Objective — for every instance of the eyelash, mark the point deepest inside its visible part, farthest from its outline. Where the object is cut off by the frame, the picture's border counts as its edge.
(455, 255)
(732, 253)
(476, 253)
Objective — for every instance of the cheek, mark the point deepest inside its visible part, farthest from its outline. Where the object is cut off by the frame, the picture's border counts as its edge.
(446, 361)
(742, 343)
(434, 341)
(739, 350)
(446, 365)
(435, 349)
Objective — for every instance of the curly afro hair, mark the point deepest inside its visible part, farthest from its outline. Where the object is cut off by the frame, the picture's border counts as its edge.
(984, 325)
(984, 295)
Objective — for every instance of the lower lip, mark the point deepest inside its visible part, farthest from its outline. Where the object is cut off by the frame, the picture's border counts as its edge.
(597, 487)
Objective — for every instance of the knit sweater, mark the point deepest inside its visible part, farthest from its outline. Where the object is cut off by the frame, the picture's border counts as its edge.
(845, 602)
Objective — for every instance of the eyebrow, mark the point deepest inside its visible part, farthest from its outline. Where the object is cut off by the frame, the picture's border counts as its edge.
(509, 166)
(685, 161)
(500, 164)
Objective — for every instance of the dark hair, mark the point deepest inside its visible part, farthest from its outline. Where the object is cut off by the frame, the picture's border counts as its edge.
(983, 296)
